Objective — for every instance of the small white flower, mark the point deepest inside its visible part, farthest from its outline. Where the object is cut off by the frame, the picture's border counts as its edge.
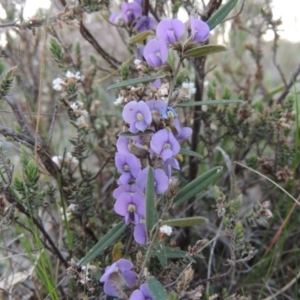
(76, 105)
(137, 62)
(71, 160)
(190, 87)
(77, 75)
(69, 211)
(81, 122)
(57, 160)
(166, 229)
(213, 126)
(119, 101)
(58, 84)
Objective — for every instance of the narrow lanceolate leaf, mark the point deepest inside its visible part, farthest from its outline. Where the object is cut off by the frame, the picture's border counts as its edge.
(139, 38)
(189, 152)
(151, 212)
(104, 242)
(221, 14)
(185, 222)
(208, 102)
(160, 252)
(128, 133)
(204, 50)
(156, 289)
(135, 81)
(197, 185)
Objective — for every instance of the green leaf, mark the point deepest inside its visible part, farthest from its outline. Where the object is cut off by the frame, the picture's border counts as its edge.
(135, 81)
(160, 252)
(208, 102)
(221, 14)
(185, 222)
(151, 212)
(139, 38)
(128, 133)
(104, 242)
(189, 152)
(204, 50)
(156, 289)
(197, 185)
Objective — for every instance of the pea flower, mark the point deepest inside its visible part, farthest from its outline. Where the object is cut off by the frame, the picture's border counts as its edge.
(126, 188)
(144, 23)
(139, 234)
(120, 268)
(156, 53)
(129, 165)
(115, 18)
(138, 115)
(200, 30)
(164, 144)
(170, 30)
(131, 11)
(169, 112)
(123, 145)
(131, 207)
(161, 180)
(142, 294)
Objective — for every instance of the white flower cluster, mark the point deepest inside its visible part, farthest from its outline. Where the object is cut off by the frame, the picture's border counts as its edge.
(68, 161)
(69, 212)
(81, 113)
(166, 230)
(58, 84)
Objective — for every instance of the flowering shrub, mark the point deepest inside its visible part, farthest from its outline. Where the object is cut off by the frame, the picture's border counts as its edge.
(147, 159)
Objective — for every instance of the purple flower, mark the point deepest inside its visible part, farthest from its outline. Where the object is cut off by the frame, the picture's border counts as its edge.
(169, 164)
(114, 18)
(156, 107)
(184, 133)
(156, 53)
(144, 23)
(168, 112)
(129, 165)
(131, 206)
(170, 30)
(161, 180)
(164, 144)
(122, 268)
(139, 234)
(138, 115)
(142, 294)
(157, 83)
(200, 30)
(126, 188)
(123, 145)
(131, 11)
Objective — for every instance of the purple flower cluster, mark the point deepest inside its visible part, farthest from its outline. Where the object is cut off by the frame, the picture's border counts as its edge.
(162, 146)
(169, 32)
(119, 274)
(131, 13)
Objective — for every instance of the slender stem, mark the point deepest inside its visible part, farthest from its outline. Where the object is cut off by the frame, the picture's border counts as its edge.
(148, 254)
(172, 87)
(129, 243)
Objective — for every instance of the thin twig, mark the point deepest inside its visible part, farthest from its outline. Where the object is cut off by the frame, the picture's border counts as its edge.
(52, 123)
(289, 85)
(42, 73)
(211, 254)
(237, 14)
